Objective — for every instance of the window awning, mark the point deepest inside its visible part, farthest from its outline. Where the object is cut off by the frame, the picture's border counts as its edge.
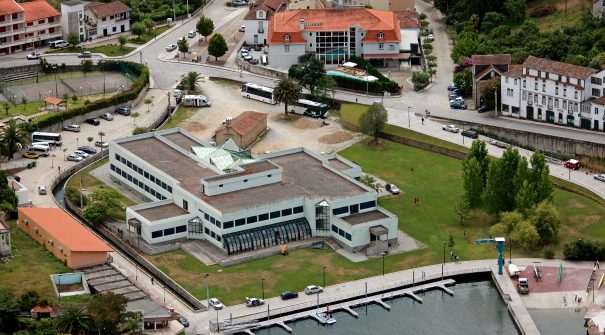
(134, 222)
(379, 230)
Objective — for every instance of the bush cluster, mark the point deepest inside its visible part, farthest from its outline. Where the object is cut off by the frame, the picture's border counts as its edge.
(582, 250)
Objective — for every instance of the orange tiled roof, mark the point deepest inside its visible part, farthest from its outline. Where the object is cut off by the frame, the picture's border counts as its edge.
(9, 7)
(53, 100)
(408, 19)
(563, 69)
(66, 229)
(600, 101)
(514, 71)
(42, 309)
(269, 6)
(334, 19)
(245, 122)
(39, 9)
(107, 9)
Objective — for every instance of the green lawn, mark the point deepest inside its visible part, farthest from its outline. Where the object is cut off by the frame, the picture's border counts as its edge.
(107, 50)
(34, 107)
(149, 35)
(435, 179)
(180, 117)
(31, 266)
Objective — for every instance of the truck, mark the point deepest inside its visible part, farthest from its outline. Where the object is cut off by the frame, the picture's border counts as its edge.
(513, 270)
(523, 286)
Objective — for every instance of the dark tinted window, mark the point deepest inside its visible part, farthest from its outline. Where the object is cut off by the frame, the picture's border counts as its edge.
(181, 229)
(298, 209)
(251, 219)
(156, 234)
(228, 224)
(240, 222)
(168, 231)
(286, 212)
(263, 217)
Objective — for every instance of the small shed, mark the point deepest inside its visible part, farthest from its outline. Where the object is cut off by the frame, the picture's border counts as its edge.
(243, 130)
(41, 312)
(53, 101)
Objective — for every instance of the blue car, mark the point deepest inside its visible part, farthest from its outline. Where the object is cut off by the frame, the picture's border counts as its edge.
(182, 320)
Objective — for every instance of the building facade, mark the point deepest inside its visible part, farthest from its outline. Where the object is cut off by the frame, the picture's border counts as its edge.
(240, 203)
(554, 92)
(485, 68)
(258, 18)
(106, 19)
(392, 5)
(27, 25)
(72, 19)
(63, 236)
(242, 130)
(333, 35)
(409, 27)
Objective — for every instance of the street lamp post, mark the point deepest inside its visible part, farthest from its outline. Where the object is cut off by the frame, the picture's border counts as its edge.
(206, 275)
(80, 92)
(324, 277)
(383, 254)
(52, 161)
(55, 68)
(262, 284)
(164, 287)
(510, 251)
(77, 142)
(409, 124)
(443, 264)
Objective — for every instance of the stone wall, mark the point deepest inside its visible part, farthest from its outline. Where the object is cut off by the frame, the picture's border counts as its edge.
(264, 71)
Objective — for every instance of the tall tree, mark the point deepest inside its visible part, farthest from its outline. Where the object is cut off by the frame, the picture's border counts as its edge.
(287, 92)
(312, 72)
(325, 87)
(9, 311)
(205, 26)
(108, 311)
(525, 198)
(464, 79)
(472, 181)
(516, 8)
(192, 79)
(86, 66)
(526, 234)
(217, 46)
(547, 221)
(462, 209)
(373, 120)
(13, 137)
(540, 177)
(122, 40)
(479, 151)
(139, 29)
(183, 45)
(74, 320)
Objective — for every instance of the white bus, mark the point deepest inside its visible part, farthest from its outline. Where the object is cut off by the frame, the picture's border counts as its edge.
(311, 108)
(39, 149)
(257, 92)
(52, 138)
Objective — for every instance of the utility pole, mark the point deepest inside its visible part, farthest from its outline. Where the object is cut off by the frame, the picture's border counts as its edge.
(207, 291)
(496, 104)
(81, 198)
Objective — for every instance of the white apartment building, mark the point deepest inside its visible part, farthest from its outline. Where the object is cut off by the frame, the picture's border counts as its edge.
(554, 92)
(333, 35)
(72, 19)
(258, 18)
(27, 25)
(238, 202)
(106, 19)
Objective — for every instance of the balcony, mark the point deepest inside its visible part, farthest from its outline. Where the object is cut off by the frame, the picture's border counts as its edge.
(121, 18)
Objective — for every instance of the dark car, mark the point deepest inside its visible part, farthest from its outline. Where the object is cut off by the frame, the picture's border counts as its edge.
(182, 320)
(452, 87)
(482, 109)
(457, 105)
(16, 178)
(94, 122)
(288, 295)
(123, 111)
(88, 150)
(254, 61)
(316, 114)
(470, 133)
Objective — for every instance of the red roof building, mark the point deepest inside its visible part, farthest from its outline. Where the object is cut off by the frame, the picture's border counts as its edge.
(243, 130)
(63, 236)
(106, 19)
(27, 25)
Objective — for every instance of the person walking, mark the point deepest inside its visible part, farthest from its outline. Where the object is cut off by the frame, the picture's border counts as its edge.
(422, 120)
(151, 280)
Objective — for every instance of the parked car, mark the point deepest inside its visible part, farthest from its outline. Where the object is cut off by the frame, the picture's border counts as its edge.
(392, 188)
(191, 34)
(107, 116)
(600, 177)
(101, 144)
(42, 190)
(58, 44)
(470, 133)
(482, 109)
(239, 3)
(33, 55)
(15, 178)
(457, 105)
(252, 302)
(81, 153)
(253, 61)
(85, 54)
(247, 57)
(452, 87)
(242, 27)
(431, 37)
(288, 295)
(215, 303)
(88, 150)
(171, 47)
(572, 164)
(316, 114)
(74, 158)
(122, 111)
(72, 127)
(451, 128)
(313, 289)
(182, 320)
(177, 94)
(499, 144)
(30, 155)
(93, 122)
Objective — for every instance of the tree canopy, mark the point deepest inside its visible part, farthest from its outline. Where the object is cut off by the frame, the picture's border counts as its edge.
(373, 120)
(287, 92)
(217, 46)
(312, 72)
(205, 26)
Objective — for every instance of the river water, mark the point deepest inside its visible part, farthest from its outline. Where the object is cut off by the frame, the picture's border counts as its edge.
(475, 309)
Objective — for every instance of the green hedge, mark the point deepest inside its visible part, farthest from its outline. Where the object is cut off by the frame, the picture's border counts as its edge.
(142, 79)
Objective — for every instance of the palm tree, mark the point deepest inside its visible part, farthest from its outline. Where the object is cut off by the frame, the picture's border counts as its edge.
(191, 79)
(73, 320)
(13, 137)
(90, 139)
(101, 134)
(287, 92)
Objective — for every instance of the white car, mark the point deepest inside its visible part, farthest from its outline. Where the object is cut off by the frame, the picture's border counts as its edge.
(191, 34)
(72, 127)
(247, 57)
(242, 27)
(42, 190)
(33, 55)
(600, 177)
(81, 153)
(73, 158)
(451, 128)
(101, 144)
(431, 37)
(312, 289)
(214, 303)
(171, 47)
(252, 302)
(499, 144)
(393, 189)
(107, 116)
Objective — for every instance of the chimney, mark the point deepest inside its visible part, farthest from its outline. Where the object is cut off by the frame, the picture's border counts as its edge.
(228, 121)
(302, 24)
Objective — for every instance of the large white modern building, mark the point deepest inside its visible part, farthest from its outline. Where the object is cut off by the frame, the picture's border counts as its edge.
(554, 92)
(333, 35)
(240, 203)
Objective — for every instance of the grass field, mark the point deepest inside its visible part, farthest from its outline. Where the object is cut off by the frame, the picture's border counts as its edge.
(34, 107)
(435, 179)
(107, 50)
(31, 266)
(149, 35)
(179, 118)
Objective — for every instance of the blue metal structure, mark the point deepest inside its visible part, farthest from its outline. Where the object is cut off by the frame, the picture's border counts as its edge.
(500, 242)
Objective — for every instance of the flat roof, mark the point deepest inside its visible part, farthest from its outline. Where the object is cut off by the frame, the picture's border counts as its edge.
(182, 140)
(66, 229)
(164, 157)
(162, 212)
(339, 165)
(249, 168)
(303, 175)
(365, 217)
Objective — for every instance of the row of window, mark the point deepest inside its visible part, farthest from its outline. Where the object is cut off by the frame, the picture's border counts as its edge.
(354, 208)
(262, 217)
(571, 106)
(212, 234)
(144, 173)
(341, 233)
(168, 231)
(137, 182)
(212, 220)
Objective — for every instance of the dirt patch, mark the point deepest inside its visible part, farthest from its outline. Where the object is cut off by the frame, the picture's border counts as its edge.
(337, 137)
(306, 123)
(70, 288)
(576, 204)
(282, 117)
(194, 126)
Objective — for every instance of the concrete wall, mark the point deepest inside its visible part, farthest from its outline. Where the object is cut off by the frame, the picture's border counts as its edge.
(79, 259)
(262, 70)
(279, 58)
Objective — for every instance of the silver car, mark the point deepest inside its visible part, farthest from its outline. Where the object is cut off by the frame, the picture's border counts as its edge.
(451, 128)
(600, 177)
(42, 190)
(171, 47)
(107, 116)
(81, 153)
(101, 144)
(74, 158)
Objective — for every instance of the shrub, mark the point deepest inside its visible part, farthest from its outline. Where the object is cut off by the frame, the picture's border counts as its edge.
(86, 102)
(74, 196)
(542, 10)
(549, 253)
(581, 250)
(420, 80)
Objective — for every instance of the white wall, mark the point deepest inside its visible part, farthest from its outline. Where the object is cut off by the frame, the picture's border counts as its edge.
(389, 48)
(279, 58)
(408, 37)
(252, 30)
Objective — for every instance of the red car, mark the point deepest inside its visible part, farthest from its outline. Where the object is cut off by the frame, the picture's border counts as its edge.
(572, 164)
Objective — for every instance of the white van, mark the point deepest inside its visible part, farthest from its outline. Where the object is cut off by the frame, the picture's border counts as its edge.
(43, 144)
(264, 60)
(513, 270)
(39, 149)
(196, 101)
(58, 44)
